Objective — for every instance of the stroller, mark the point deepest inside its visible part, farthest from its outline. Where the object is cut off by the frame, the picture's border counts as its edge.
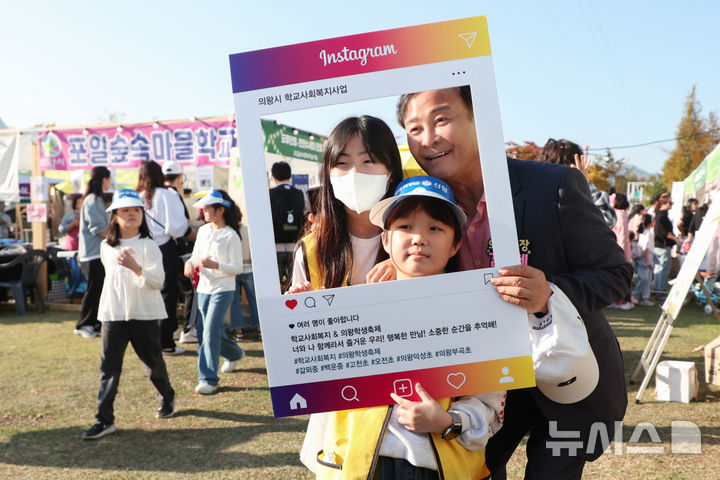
(701, 297)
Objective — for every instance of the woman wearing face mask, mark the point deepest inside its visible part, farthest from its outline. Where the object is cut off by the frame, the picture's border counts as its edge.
(361, 166)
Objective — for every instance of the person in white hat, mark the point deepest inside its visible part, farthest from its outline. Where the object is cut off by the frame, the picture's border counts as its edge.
(217, 257)
(130, 308)
(174, 181)
(167, 221)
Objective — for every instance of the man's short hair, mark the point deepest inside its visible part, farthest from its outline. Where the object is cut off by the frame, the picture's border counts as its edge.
(464, 92)
(281, 171)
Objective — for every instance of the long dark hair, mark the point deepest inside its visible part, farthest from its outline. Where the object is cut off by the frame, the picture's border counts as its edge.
(637, 209)
(645, 222)
(621, 202)
(113, 232)
(560, 151)
(331, 229)
(150, 177)
(94, 186)
(232, 214)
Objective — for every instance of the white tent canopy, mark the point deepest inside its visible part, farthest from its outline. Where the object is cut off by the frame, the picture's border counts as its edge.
(15, 161)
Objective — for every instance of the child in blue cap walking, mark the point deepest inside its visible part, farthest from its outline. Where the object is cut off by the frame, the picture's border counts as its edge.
(130, 307)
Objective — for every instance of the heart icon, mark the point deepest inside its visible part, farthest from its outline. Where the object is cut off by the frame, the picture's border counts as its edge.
(292, 325)
(456, 380)
(291, 303)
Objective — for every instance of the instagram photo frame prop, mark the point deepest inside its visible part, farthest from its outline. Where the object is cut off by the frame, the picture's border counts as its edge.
(350, 347)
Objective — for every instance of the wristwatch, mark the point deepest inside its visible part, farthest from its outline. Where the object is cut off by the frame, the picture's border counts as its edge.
(455, 427)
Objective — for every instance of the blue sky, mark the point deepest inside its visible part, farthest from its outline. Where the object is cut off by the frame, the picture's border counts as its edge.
(608, 73)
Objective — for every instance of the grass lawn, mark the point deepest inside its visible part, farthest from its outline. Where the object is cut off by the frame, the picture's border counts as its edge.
(49, 379)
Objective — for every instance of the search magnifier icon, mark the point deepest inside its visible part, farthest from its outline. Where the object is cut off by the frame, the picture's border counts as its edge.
(349, 393)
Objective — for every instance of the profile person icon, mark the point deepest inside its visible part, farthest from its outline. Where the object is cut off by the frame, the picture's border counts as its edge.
(506, 378)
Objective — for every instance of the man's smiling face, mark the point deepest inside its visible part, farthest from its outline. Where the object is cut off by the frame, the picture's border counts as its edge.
(441, 134)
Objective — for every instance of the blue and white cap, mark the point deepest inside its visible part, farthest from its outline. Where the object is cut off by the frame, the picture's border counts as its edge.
(125, 198)
(213, 197)
(421, 185)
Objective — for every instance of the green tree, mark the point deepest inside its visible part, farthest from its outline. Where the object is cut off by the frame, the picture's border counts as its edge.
(607, 171)
(656, 184)
(696, 138)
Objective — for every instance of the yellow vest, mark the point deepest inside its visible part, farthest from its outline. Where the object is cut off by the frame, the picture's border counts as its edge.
(353, 437)
(352, 444)
(309, 246)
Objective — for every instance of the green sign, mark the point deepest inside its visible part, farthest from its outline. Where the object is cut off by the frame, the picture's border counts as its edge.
(699, 176)
(713, 165)
(291, 142)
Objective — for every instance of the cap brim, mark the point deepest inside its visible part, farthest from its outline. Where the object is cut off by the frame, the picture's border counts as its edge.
(378, 213)
(204, 202)
(580, 379)
(125, 203)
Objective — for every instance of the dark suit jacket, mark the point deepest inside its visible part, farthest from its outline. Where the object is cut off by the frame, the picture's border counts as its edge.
(572, 245)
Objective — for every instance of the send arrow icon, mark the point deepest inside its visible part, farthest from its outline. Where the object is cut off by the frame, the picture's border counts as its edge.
(329, 299)
(469, 38)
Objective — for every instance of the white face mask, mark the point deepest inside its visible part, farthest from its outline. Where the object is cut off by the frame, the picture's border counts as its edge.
(360, 191)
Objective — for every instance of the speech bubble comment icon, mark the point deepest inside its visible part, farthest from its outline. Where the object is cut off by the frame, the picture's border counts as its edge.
(310, 302)
(349, 393)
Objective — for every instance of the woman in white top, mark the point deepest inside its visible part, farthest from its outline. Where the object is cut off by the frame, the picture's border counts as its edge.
(130, 307)
(166, 220)
(218, 257)
(361, 166)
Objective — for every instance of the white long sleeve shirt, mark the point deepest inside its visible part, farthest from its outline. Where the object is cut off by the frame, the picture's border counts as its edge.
(223, 246)
(126, 296)
(166, 218)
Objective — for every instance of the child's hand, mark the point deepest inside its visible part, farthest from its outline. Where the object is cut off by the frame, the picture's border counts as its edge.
(189, 269)
(126, 259)
(207, 263)
(299, 288)
(382, 272)
(424, 416)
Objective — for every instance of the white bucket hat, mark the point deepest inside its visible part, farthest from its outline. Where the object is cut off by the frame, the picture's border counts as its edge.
(566, 370)
(421, 185)
(125, 198)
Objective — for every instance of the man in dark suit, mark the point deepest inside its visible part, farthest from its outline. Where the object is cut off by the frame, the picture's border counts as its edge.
(565, 241)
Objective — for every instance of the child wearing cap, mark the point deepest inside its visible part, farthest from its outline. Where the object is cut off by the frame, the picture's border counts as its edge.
(218, 256)
(442, 438)
(130, 308)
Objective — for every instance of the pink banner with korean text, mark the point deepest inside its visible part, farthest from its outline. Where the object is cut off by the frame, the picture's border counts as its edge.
(199, 142)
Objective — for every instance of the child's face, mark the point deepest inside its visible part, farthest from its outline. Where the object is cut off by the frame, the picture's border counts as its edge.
(213, 213)
(129, 218)
(419, 245)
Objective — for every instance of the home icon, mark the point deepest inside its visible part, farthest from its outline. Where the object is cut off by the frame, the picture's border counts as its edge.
(297, 402)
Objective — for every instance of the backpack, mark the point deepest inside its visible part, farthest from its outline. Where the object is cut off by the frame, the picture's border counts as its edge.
(287, 204)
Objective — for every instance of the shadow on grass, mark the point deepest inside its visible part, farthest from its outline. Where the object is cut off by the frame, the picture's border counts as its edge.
(9, 317)
(164, 450)
(709, 435)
